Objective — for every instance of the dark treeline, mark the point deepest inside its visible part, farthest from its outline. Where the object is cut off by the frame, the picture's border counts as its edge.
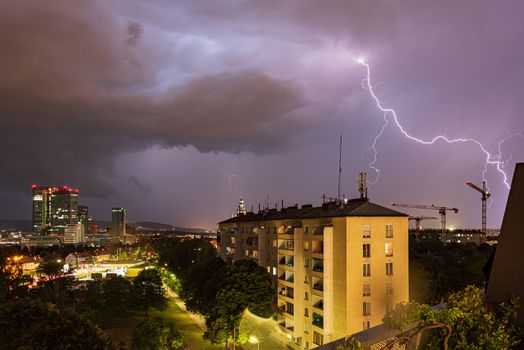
(437, 269)
(65, 313)
(219, 291)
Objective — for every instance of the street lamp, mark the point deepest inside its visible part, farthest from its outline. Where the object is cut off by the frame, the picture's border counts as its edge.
(254, 340)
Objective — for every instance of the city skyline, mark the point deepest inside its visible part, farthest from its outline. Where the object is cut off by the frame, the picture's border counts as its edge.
(175, 111)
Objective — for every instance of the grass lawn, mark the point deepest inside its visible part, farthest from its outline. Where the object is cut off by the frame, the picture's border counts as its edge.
(121, 329)
(192, 333)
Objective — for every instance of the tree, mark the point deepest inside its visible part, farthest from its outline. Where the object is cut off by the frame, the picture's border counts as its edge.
(246, 285)
(464, 323)
(148, 290)
(51, 266)
(156, 333)
(31, 324)
(117, 295)
(12, 281)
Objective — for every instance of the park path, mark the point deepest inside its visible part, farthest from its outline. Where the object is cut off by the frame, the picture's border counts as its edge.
(198, 319)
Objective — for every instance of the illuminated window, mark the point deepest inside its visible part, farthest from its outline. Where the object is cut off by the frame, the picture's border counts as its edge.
(389, 231)
(366, 231)
(366, 308)
(366, 290)
(389, 249)
(274, 271)
(366, 270)
(269, 269)
(366, 250)
(389, 269)
(275, 242)
(306, 245)
(365, 325)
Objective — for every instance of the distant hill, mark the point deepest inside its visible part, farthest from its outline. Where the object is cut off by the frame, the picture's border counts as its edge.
(27, 226)
(17, 225)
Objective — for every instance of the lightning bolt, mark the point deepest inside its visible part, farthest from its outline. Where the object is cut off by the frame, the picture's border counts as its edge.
(492, 159)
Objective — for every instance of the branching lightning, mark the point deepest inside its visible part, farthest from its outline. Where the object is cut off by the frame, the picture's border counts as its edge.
(492, 159)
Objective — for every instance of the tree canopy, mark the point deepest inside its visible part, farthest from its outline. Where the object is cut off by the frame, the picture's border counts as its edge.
(464, 323)
(156, 334)
(149, 291)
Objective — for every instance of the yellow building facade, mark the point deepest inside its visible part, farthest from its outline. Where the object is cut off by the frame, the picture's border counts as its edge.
(338, 268)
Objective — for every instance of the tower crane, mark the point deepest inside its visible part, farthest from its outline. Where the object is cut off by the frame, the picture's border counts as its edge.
(418, 219)
(441, 210)
(485, 196)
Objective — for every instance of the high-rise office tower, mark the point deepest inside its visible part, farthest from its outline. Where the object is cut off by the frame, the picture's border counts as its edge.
(54, 208)
(83, 217)
(118, 222)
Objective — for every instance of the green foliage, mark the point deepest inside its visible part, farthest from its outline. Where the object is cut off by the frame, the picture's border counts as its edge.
(50, 266)
(30, 324)
(148, 290)
(12, 282)
(437, 269)
(246, 285)
(465, 322)
(350, 343)
(156, 333)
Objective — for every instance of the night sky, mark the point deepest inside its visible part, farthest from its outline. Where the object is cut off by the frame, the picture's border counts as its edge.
(173, 109)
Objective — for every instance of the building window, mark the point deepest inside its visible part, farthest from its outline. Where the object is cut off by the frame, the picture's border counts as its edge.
(274, 271)
(290, 309)
(366, 290)
(389, 269)
(306, 296)
(306, 245)
(247, 252)
(389, 249)
(318, 338)
(366, 308)
(365, 325)
(366, 270)
(389, 231)
(306, 312)
(232, 240)
(268, 269)
(275, 242)
(366, 231)
(306, 281)
(274, 229)
(366, 250)
(306, 230)
(389, 288)
(306, 262)
(389, 306)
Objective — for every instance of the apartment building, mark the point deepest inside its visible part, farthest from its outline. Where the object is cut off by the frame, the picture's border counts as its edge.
(337, 268)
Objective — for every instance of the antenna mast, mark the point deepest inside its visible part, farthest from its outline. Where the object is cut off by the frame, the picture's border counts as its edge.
(339, 165)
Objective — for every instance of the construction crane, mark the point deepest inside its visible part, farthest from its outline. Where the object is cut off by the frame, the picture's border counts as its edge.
(441, 210)
(485, 196)
(418, 219)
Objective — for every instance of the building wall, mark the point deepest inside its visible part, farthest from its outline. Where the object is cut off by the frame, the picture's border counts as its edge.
(319, 271)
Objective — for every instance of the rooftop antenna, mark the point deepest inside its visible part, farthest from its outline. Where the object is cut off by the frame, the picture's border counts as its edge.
(339, 165)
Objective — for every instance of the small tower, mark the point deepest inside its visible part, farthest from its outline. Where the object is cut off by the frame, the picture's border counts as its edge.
(241, 209)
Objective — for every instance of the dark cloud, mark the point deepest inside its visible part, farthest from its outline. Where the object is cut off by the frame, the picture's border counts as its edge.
(74, 97)
(87, 89)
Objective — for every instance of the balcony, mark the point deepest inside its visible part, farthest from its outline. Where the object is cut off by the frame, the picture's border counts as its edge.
(317, 247)
(287, 260)
(318, 265)
(287, 276)
(318, 286)
(319, 304)
(318, 320)
(287, 292)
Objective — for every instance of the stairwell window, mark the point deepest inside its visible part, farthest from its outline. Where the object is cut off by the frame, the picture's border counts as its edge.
(366, 231)
(366, 250)
(366, 270)
(389, 269)
(389, 231)
(366, 308)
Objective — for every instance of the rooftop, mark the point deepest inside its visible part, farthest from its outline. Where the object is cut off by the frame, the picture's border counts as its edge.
(353, 207)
